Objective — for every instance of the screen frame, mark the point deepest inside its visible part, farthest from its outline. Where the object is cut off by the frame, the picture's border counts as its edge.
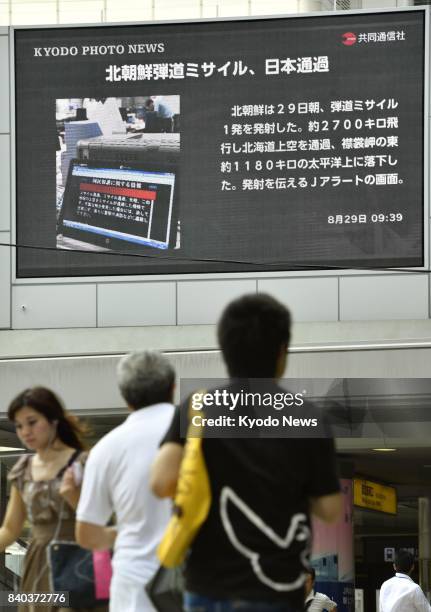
(312, 273)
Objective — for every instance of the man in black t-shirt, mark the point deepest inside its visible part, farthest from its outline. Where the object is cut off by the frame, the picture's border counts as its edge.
(252, 552)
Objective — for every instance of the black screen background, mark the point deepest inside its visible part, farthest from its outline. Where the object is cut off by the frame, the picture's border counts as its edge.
(264, 230)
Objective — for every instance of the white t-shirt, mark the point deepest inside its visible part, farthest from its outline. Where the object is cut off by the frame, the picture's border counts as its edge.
(319, 603)
(402, 594)
(116, 479)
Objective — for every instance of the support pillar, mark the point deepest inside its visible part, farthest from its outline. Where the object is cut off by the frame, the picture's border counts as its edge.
(332, 554)
(424, 537)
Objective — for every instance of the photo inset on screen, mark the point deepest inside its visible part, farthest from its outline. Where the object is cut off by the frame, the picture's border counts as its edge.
(117, 163)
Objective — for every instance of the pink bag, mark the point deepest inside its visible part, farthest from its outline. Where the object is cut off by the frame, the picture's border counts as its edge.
(102, 573)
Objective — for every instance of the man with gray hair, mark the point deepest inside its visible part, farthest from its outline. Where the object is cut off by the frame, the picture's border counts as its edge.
(116, 480)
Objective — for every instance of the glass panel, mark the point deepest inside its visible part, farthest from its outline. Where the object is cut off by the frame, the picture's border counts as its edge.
(95, 11)
(29, 12)
(14, 554)
(81, 11)
(170, 9)
(274, 7)
(210, 8)
(4, 13)
(128, 10)
(226, 8)
(14, 559)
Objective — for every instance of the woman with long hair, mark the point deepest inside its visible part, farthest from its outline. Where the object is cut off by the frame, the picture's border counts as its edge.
(43, 489)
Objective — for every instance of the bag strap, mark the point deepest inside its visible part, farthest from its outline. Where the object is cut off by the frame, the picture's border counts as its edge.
(59, 475)
(72, 460)
(193, 431)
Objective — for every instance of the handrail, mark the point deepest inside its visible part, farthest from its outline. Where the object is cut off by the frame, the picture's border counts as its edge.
(300, 348)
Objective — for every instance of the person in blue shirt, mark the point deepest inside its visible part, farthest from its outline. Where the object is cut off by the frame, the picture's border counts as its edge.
(160, 107)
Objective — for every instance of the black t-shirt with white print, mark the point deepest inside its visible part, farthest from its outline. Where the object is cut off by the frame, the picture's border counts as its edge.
(256, 540)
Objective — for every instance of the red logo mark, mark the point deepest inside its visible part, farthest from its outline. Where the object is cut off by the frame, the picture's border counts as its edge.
(349, 38)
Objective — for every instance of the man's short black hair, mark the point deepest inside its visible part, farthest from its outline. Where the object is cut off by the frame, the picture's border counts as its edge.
(251, 332)
(404, 561)
(310, 570)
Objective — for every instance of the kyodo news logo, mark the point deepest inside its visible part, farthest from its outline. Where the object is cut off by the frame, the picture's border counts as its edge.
(351, 38)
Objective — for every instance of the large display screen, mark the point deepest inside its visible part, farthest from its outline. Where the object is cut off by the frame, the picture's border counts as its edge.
(249, 145)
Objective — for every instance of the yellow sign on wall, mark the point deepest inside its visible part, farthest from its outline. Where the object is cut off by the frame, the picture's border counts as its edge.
(374, 496)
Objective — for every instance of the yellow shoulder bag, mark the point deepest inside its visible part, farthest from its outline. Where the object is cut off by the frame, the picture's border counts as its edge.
(192, 501)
